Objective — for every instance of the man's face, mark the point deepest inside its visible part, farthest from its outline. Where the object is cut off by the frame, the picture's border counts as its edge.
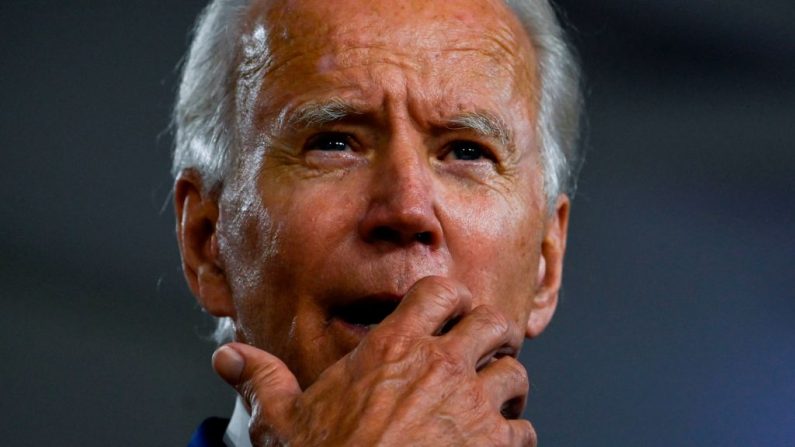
(382, 142)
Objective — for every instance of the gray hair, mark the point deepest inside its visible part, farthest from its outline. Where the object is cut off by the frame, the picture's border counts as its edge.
(205, 115)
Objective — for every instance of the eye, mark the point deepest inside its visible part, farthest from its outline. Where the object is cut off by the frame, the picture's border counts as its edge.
(467, 151)
(330, 141)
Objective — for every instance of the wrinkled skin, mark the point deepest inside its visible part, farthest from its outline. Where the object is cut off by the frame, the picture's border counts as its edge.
(403, 385)
(322, 213)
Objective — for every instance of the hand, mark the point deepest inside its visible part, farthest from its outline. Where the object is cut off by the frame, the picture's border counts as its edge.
(406, 383)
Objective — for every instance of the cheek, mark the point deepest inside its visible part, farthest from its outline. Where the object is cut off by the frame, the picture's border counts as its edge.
(276, 244)
(495, 242)
(247, 239)
(314, 221)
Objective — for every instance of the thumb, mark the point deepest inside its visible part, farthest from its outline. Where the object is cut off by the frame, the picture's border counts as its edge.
(264, 382)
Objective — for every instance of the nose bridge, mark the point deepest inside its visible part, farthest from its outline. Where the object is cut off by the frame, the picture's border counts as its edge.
(405, 168)
(402, 196)
(405, 177)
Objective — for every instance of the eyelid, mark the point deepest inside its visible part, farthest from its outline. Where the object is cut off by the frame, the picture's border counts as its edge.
(487, 151)
(317, 137)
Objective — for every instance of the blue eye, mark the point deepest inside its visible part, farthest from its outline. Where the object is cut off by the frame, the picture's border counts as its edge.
(328, 142)
(468, 151)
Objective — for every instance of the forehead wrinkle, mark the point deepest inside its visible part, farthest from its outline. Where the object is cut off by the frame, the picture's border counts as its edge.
(293, 49)
(296, 29)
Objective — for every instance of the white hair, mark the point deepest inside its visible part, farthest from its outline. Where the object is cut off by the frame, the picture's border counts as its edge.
(560, 102)
(205, 116)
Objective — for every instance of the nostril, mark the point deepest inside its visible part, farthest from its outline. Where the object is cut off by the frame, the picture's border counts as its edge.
(395, 236)
(425, 238)
(385, 234)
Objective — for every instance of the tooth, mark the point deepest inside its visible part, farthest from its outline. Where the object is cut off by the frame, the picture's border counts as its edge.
(371, 326)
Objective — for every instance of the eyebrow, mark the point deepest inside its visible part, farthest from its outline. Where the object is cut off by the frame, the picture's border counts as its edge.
(483, 124)
(319, 114)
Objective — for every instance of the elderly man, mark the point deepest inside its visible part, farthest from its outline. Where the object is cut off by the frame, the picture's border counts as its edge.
(373, 198)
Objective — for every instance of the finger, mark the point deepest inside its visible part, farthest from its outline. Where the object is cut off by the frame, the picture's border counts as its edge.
(265, 383)
(507, 384)
(482, 334)
(521, 432)
(427, 306)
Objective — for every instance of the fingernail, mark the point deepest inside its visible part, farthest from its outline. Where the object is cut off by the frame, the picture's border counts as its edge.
(229, 364)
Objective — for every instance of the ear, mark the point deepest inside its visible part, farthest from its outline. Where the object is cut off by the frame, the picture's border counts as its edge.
(550, 268)
(197, 215)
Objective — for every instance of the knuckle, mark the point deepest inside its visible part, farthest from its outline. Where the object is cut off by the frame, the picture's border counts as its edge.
(503, 434)
(444, 364)
(524, 431)
(442, 291)
(389, 347)
(495, 322)
(517, 372)
(265, 374)
(518, 432)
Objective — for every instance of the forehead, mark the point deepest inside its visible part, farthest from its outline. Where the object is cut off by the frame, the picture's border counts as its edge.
(386, 22)
(456, 45)
(295, 28)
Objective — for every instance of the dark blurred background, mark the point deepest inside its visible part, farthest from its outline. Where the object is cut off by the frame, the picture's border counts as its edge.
(677, 323)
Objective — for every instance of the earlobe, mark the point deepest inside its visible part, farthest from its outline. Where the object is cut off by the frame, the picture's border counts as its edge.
(197, 215)
(550, 269)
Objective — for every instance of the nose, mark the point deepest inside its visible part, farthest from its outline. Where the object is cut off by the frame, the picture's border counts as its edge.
(402, 203)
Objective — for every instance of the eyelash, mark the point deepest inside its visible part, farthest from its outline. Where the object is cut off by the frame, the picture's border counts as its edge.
(343, 142)
(316, 141)
(480, 151)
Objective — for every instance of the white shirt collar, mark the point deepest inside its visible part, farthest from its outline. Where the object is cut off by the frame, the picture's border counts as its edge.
(237, 431)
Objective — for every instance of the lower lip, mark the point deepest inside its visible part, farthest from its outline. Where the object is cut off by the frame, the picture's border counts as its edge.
(354, 328)
(348, 334)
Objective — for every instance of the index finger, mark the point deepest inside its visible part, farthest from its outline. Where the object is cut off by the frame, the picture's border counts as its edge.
(428, 306)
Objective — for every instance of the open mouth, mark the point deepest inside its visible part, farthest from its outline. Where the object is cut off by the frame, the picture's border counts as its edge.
(365, 313)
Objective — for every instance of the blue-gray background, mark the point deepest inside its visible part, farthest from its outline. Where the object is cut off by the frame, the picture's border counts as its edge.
(677, 322)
